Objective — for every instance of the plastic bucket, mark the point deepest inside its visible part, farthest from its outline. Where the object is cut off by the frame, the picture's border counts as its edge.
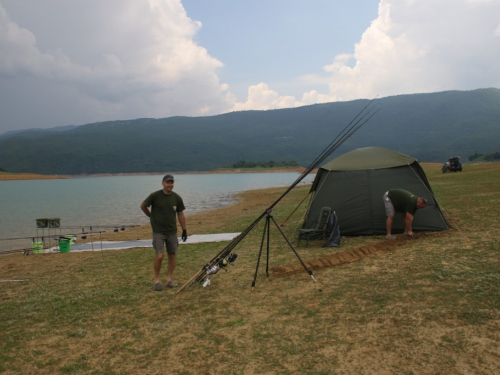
(69, 237)
(64, 246)
(37, 247)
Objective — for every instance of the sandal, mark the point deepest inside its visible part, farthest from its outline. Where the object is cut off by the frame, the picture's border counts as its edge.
(171, 284)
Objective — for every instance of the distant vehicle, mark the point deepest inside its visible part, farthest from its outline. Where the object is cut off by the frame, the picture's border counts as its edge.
(452, 165)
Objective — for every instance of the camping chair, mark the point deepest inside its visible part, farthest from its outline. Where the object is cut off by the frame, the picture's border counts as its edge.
(319, 231)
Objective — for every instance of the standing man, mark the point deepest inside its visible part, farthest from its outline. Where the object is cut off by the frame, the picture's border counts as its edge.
(165, 206)
(404, 202)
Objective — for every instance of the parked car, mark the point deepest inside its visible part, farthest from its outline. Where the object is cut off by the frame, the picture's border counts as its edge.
(452, 165)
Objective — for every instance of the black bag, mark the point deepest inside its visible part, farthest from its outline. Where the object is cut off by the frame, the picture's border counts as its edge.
(333, 226)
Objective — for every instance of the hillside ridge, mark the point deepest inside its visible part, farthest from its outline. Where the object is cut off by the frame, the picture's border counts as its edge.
(430, 127)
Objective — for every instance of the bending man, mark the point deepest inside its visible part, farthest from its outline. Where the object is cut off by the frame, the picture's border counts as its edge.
(165, 205)
(404, 202)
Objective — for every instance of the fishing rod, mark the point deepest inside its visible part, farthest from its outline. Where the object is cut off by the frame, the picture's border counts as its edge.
(361, 118)
(119, 227)
(336, 143)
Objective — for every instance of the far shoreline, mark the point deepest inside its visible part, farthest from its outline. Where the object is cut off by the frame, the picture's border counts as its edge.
(143, 229)
(6, 176)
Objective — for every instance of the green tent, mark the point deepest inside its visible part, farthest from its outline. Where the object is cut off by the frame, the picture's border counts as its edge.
(353, 184)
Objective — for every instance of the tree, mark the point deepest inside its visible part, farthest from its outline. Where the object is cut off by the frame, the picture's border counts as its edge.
(475, 156)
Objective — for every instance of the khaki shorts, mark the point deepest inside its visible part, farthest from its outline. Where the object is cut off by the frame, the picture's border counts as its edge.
(170, 241)
(389, 207)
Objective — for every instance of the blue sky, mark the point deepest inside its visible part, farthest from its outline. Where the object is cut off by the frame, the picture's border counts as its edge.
(81, 61)
(276, 41)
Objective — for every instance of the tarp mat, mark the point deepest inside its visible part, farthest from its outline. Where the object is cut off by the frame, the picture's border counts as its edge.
(117, 245)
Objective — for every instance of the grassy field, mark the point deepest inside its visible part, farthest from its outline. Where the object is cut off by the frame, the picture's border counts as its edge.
(426, 306)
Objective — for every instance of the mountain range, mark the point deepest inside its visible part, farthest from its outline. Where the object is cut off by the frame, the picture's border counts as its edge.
(430, 127)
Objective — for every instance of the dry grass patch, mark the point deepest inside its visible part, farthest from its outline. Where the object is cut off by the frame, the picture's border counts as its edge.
(427, 306)
(5, 176)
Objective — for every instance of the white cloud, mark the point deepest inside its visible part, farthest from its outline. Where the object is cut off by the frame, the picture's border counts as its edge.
(17, 48)
(261, 97)
(421, 46)
(314, 97)
(411, 47)
(139, 61)
(479, 2)
(97, 60)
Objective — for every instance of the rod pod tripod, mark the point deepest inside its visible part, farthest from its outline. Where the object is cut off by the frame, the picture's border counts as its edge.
(359, 120)
(266, 235)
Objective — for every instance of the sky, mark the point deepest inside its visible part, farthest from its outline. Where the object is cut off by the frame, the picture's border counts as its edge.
(83, 61)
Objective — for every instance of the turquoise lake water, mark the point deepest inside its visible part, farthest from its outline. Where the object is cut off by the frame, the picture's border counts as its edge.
(108, 202)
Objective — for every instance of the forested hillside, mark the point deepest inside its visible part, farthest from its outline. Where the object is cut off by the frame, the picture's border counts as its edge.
(430, 127)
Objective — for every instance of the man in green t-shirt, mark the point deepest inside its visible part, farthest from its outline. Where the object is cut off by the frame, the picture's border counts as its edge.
(165, 206)
(404, 202)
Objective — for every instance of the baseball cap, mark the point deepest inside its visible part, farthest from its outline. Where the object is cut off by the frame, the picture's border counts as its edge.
(168, 177)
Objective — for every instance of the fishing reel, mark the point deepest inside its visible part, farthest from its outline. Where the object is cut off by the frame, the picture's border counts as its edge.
(230, 259)
(221, 264)
(212, 270)
(216, 267)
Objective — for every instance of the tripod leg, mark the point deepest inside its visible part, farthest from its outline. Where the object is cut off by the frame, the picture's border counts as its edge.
(268, 223)
(290, 244)
(266, 226)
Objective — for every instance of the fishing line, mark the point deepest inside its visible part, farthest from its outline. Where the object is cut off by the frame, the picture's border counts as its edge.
(339, 140)
(296, 208)
(361, 118)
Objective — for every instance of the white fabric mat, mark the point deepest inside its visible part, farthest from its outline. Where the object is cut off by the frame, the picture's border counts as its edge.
(117, 245)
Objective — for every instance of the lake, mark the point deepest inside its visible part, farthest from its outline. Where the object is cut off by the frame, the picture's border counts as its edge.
(113, 201)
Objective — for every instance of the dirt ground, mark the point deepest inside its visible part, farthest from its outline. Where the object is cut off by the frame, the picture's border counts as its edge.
(348, 256)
